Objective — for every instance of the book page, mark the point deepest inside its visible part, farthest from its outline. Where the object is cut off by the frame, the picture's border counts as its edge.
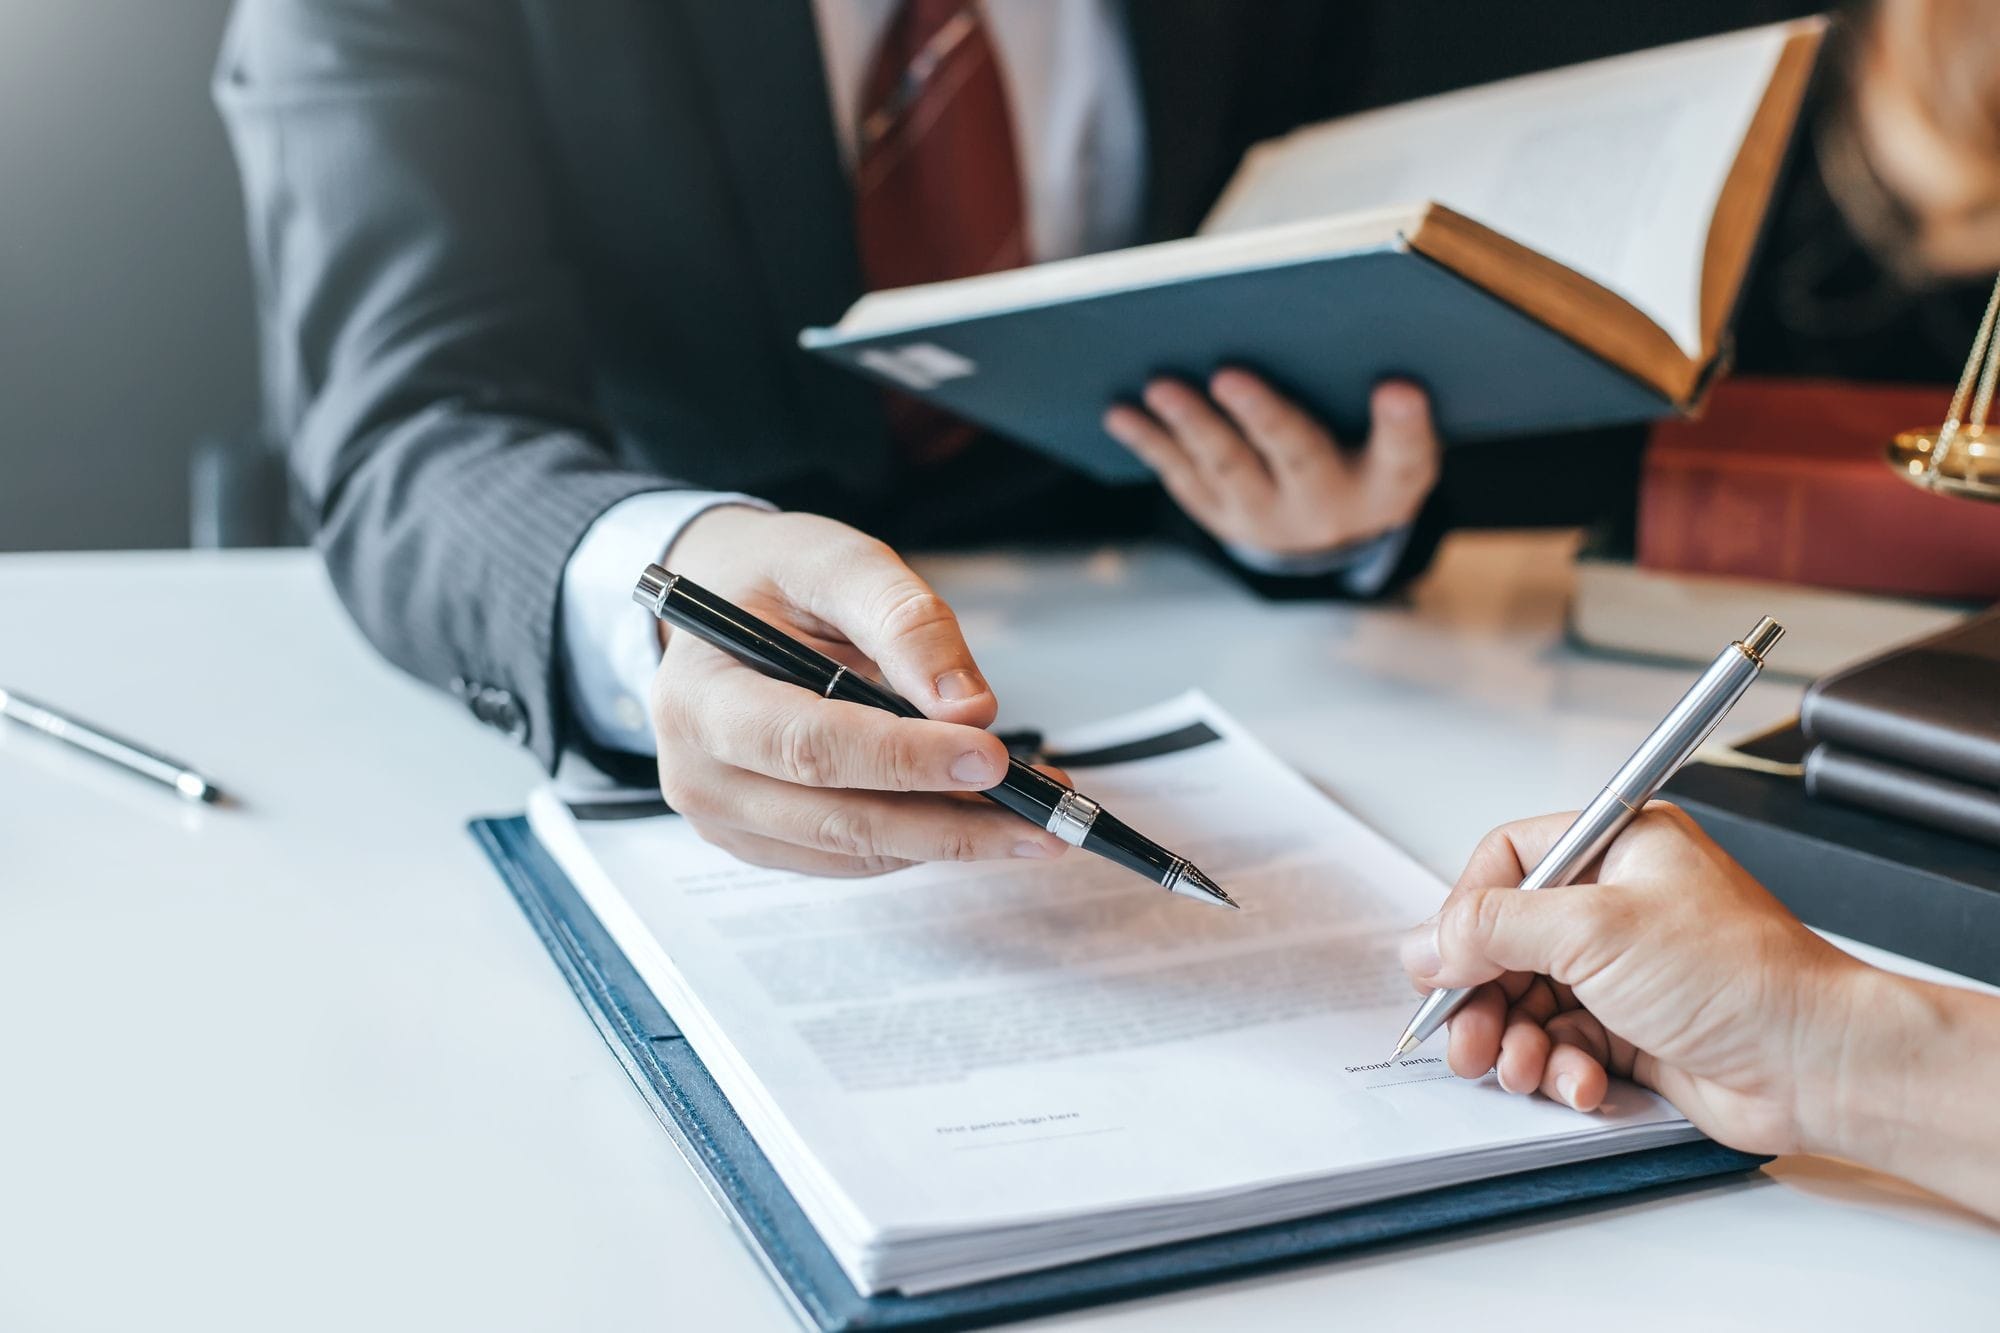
(991, 1049)
(1612, 168)
(1113, 271)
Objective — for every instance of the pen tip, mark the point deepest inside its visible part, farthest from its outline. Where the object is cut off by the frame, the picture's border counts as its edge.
(1194, 884)
(1404, 1045)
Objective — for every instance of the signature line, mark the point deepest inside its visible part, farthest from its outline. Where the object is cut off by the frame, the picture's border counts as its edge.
(1406, 1082)
(1039, 1138)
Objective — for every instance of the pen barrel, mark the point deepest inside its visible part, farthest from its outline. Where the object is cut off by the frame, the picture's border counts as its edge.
(1689, 723)
(1118, 842)
(1671, 744)
(1659, 757)
(129, 755)
(1036, 797)
(855, 688)
(722, 624)
(1581, 843)
(1028, 793)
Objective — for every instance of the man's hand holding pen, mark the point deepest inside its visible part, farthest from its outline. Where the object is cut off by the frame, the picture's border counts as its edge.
(790, 755)
(783, 778)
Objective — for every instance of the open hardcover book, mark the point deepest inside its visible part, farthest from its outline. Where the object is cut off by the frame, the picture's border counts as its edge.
(962, 1072)
(1556, 251)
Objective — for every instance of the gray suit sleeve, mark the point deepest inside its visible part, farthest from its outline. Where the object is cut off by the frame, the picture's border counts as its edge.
(422, 351)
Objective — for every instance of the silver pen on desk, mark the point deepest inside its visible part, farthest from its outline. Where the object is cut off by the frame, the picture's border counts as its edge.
(128, 755)
(1672, 744)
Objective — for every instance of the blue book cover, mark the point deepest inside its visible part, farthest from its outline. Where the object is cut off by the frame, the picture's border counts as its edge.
(1324, 327)
(1586, 242)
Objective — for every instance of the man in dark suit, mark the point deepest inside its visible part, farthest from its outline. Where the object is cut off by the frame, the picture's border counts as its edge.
(531, 274)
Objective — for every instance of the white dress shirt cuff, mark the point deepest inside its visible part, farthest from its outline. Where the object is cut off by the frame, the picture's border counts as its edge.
(1364, 566)
(611, 644)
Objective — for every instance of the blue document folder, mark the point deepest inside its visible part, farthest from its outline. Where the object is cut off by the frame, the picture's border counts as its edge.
(743, 1183)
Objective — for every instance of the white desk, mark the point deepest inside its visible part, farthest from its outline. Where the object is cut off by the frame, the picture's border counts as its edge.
(303, 1066)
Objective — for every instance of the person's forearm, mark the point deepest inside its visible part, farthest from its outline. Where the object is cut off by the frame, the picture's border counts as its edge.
(1916, 1089)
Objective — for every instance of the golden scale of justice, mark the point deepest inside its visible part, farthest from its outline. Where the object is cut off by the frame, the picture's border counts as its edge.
(1953, 459)
(1957, 458)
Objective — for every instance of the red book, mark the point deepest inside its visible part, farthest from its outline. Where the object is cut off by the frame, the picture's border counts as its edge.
(1784, 479)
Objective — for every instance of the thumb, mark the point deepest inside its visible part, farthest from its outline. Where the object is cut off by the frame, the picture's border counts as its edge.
(1403, 456)
(1482, 933)
(885, 609)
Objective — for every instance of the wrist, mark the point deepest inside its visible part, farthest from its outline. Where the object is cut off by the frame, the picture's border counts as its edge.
(1865, 1081)
(1365, 561)
(719, 527)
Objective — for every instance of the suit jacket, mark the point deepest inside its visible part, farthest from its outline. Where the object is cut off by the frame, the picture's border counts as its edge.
(520, 259)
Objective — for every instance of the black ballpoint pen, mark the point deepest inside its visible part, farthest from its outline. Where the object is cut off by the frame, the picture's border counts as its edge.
(1033, 795)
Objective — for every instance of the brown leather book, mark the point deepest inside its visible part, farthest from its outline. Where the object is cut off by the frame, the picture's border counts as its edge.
(1932, 706)
(1784, 480)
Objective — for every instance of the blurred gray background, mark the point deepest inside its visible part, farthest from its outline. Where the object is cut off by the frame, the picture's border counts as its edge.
(125, 308)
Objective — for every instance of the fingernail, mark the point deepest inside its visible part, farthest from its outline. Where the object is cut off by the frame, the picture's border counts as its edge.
(953, 686)
(973, 766)
(1420, 950)
(1566, 1088)
(1399, 406)
(1034, 851)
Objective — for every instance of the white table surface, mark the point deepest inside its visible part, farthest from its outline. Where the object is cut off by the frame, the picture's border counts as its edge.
(303, 1066)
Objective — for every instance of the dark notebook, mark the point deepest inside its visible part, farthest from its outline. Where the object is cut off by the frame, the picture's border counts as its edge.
(1932, 706)
(1914, 733)
(715, 1143)
(1909, 889)
(1902, 792)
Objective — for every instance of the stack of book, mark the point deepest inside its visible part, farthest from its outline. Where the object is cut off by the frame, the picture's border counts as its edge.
(1876, 815)
(1914, 733)
(1776, 501)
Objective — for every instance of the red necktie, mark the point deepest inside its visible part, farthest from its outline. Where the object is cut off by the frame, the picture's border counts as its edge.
(937, 185)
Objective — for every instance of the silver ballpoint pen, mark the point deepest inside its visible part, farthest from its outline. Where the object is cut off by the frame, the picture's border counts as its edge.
(1672, 743)
(128, 755)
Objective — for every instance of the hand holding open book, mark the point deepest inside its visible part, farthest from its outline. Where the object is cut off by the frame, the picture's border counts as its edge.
(1260, 474)
(1556, 251)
